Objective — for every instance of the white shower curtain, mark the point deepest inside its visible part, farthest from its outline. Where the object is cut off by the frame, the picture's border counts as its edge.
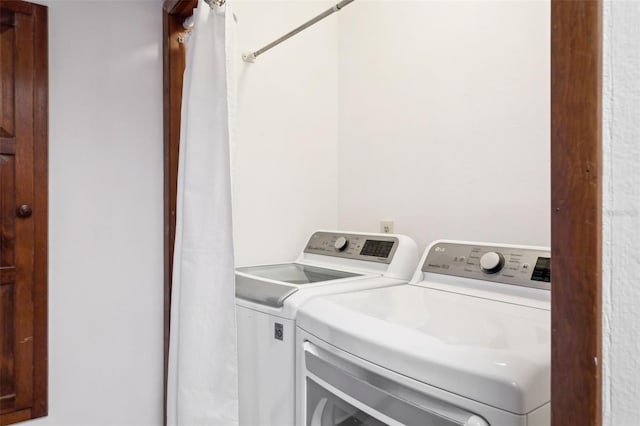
(202, 380)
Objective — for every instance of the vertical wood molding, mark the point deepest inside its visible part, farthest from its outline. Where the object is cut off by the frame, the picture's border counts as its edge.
(172, 88)
(174, 13)
(41, 203)
(576, 203)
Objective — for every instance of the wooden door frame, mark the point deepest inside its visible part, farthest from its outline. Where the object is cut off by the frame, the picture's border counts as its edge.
(576, 212)
(174, 14)
(576, 200)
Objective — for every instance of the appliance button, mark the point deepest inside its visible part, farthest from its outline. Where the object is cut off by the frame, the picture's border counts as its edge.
(341, 243)
(491, 262)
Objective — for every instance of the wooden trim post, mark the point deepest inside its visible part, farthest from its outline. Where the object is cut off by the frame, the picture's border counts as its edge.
(576, 203)
(174, 14)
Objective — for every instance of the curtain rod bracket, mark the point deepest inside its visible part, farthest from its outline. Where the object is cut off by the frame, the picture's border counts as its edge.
(249, 57)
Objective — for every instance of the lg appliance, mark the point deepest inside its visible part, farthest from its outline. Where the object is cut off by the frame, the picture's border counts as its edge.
(268, 297)
(467, 342)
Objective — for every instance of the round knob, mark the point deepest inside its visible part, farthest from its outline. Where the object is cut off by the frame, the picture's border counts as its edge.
(491, 262)
(24, 211)
(341, 243)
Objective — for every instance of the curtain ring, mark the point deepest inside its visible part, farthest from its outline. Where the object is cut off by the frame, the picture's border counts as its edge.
(218, 3)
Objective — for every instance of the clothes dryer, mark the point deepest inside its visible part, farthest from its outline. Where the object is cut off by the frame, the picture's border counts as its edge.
(268, 297)
(467, 342)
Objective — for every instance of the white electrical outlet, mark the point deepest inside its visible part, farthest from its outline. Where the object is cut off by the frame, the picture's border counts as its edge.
(386, 226)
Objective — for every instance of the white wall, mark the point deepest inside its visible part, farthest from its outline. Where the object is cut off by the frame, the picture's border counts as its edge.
(285, 157)
(621, 213)
(105, 241)
(444, 119)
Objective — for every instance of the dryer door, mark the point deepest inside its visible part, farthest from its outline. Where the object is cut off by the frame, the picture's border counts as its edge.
(340, 393)
(327, 409)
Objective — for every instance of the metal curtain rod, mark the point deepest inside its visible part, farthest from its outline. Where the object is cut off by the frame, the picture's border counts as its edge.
(251, 56)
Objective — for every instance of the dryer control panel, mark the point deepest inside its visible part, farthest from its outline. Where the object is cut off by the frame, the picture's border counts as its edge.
(371, 248)
(509, 265)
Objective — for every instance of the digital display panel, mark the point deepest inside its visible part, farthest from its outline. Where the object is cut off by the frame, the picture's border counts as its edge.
(376, 248)
(542, 270)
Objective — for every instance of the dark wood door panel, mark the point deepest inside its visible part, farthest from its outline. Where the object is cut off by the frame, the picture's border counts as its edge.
(7, 284)
(23, 189)
(7, 215)
(7, 146)
(19, 6)
(7, 347)
(7, 73)
(7, 212)
(24, 194)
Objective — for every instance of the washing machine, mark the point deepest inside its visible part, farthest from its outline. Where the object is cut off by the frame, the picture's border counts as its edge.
(268, 297)
(466, 342)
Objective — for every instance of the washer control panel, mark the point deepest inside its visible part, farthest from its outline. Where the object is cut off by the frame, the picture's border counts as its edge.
(508, 265)
(353, 246)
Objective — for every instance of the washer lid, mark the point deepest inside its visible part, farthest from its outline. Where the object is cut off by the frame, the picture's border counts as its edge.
(493, 352)
(295, 273)
(271, 284)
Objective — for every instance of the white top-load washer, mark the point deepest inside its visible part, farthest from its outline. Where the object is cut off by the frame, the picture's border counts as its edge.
(268, 297)
(467, 342)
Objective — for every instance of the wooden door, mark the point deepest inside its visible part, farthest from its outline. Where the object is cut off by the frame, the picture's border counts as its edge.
(23, 211)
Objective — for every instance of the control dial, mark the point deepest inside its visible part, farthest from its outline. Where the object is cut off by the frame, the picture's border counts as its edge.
(491, 262)
(341, 243)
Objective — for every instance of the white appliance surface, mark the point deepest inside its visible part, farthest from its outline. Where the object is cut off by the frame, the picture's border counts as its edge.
(489, 351)
(482, 339)
(268, 298)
